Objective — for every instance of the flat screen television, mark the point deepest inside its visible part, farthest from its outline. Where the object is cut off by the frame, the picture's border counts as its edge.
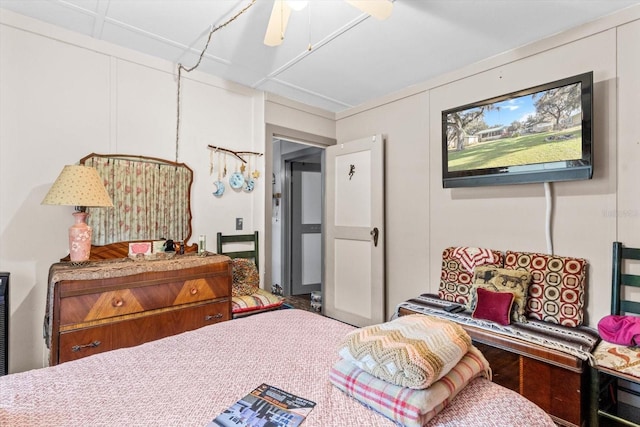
(539, 134)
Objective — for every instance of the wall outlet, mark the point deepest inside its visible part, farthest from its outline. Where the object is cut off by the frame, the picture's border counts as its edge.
(238, 223)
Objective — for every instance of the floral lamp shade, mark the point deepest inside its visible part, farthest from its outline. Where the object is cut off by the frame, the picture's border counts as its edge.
(78, 186)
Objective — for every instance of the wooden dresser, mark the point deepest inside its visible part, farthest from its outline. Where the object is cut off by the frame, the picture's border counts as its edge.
(107, 305)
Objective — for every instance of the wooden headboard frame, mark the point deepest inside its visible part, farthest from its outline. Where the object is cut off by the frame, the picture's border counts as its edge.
(121, 249)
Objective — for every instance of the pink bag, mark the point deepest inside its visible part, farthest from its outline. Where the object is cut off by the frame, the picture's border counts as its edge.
(623, 330)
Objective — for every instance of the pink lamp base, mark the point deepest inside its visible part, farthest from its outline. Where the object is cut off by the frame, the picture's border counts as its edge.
(79, 238)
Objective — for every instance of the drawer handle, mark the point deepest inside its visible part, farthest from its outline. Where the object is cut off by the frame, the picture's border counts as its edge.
(117, 302)
(215, 316)
(193, 291)
(90, 345)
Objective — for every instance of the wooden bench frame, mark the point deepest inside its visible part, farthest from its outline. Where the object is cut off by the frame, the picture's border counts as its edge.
(553, 375)
(557, 382)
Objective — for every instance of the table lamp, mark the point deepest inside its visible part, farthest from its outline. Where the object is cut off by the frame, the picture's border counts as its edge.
(82, 187)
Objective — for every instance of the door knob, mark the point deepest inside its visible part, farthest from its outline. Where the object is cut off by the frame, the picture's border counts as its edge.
(375, 233)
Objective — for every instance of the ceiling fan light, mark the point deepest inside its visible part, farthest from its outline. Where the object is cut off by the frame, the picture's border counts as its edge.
(297, 5)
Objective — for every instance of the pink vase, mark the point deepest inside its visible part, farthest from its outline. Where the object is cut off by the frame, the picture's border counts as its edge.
(79, 238)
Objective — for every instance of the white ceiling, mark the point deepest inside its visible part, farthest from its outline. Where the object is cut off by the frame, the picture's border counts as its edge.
(354, 57)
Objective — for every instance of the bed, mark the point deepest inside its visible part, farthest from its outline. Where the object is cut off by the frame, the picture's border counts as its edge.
(190, 378)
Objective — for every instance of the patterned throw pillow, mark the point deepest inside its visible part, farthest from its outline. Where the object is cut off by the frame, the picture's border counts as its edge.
(556, 292)
(246, 279)
(258, 301)
(503, 280)
(455, 279)
(494, 306)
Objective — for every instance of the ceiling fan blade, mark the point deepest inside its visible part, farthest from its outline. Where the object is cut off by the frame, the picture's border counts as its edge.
(277, 23)
(379, 9)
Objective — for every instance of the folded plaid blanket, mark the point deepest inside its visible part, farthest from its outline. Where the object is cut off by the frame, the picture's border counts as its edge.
(406, 406)
(412, 351)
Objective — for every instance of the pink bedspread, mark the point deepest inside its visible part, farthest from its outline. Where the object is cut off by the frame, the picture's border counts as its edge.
(188, 379)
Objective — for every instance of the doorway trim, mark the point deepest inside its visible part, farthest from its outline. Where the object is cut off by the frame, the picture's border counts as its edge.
(278, 132)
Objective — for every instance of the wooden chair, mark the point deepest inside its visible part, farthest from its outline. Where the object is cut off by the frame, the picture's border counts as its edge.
(261, 300)
(240, 238)
(604, 380)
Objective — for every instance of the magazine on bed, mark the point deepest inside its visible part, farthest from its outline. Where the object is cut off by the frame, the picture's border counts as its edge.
(266, 406)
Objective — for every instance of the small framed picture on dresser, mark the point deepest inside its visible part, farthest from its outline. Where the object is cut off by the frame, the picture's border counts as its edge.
(139, 249)
(158, 246)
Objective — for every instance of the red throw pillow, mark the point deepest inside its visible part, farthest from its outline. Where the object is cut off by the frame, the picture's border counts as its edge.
(494, 306)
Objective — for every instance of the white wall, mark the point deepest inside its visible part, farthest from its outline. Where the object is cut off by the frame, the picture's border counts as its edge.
(628, 159)
(288, 114)
(512, 217)
(423, 218)
(65, 96)
(405, 126)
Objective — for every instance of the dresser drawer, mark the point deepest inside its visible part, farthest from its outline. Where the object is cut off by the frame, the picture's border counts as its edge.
(90, 307)
(133, 331)
(84, 342)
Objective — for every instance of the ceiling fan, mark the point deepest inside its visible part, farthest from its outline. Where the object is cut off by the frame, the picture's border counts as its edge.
(379, 9)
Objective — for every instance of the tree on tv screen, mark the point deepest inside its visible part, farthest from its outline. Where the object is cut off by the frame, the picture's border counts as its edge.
(555, 107)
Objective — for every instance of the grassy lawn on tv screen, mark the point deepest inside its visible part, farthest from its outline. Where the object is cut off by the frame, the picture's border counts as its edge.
(519, 150)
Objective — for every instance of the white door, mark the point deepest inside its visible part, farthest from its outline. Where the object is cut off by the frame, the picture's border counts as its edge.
(306, 227)
(354, 263)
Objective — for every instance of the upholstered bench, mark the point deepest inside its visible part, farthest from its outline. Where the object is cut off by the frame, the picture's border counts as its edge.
(545, 355)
